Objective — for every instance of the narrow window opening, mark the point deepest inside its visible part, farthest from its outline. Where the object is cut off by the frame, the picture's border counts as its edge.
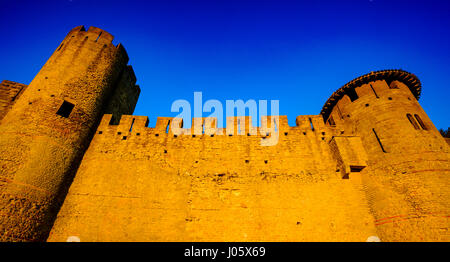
(376, 95)
(412, 121)
(138, 134)
(311, 123)
(65, 109)
(424, 127)
(100, 132)
(98, 36)
(339, 112)
(285, 133)
(352, 94)
(165, 151)
(239, 126)
(266, 161)
(193, 135)
(246, 161)
(132, 123)
(378, 139)
(390, 98)
(60, 47)
(356, 169)
(156, 134)
(124, 138)
(167, 127)
(119, 133)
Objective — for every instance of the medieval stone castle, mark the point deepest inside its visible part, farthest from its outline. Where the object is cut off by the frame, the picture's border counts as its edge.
(77, 165)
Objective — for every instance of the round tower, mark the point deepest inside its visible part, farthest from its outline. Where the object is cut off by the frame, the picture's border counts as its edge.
(44, 135)
(407, 179)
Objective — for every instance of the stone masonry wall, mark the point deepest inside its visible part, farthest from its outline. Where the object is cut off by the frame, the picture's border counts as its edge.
(143, 184)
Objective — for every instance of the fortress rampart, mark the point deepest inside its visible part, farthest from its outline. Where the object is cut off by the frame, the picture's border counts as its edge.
(214, 187)
(77, 163)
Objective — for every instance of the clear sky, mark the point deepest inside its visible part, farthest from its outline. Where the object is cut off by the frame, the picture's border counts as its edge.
(298, 52)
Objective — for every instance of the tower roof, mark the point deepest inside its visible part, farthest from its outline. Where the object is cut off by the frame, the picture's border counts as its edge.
(389, 75)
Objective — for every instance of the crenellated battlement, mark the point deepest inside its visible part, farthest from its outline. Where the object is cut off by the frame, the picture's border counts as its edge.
(79, 36)
(129, 125)
(349, 90)
(94, 33)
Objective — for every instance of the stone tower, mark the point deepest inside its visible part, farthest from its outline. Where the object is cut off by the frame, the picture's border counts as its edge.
(45, 132)
(408, 161)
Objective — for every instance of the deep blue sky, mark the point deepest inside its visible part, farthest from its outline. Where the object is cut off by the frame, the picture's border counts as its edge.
(296, 51)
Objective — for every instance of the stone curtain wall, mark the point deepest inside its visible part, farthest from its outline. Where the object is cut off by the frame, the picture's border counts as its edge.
(148, 185)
